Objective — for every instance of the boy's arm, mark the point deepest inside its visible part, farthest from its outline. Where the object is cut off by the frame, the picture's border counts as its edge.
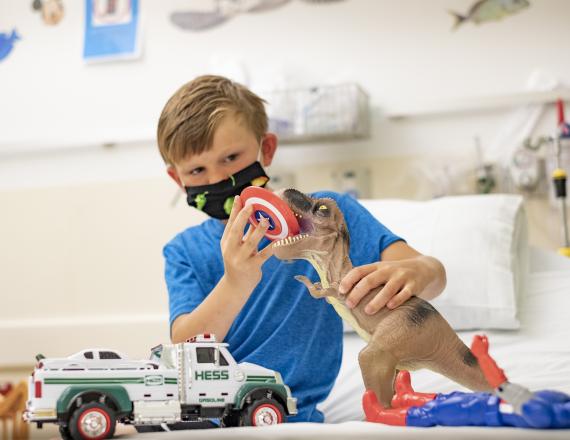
(242, 272)
(214, 315)
(403, 271)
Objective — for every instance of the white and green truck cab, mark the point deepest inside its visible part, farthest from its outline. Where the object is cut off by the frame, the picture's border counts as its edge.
(87, 393)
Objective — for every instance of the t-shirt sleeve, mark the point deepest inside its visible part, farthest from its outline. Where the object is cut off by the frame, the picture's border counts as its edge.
(368, 237)
(184, 290)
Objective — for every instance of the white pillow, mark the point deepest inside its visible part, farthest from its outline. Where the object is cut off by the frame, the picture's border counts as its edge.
(482, 242)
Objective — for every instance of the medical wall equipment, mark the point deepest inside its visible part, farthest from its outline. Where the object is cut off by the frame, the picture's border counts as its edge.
(485, 174)
(562, 145)
(525, 170)
(526, 166)
(352, 180)
(331, 112)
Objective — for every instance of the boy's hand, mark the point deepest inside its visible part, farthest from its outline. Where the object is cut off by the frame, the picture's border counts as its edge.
(242, 261)
(401, 279)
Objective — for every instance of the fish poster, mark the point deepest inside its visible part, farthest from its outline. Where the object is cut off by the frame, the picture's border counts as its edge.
(483, 11)
(111, 30)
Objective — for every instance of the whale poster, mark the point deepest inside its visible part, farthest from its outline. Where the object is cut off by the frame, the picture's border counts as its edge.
(7, 40)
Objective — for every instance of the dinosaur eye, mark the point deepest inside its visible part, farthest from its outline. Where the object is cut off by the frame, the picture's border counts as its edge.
(322, 211)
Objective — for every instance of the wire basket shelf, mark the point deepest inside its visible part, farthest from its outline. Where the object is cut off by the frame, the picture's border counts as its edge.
(336, 112)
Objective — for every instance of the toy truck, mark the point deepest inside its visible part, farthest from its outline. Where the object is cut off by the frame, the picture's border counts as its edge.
(87, 393)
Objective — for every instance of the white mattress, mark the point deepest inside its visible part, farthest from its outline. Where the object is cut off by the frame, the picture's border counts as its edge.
(537, 356)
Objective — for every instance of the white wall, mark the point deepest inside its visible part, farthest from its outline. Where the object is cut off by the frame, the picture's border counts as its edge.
(82, 226)
(403, 53)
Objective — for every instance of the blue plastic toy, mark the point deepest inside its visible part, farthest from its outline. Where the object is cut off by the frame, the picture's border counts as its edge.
(510, 404)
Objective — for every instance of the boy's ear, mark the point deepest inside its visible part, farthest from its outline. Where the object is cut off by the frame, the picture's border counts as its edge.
(171, 171)
(268, 148)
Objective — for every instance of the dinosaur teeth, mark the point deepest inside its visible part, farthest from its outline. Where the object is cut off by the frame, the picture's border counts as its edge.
(290, 240)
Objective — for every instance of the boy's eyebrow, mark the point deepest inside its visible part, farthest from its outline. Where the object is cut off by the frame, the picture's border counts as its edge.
(225, 152)
(230, 149)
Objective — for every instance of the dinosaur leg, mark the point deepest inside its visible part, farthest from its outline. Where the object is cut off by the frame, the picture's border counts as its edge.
(378, 369)
(316, 289)
(405, 396)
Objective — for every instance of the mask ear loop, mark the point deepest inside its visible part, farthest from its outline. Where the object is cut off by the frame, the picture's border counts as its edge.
(259, 153)
(178, 195)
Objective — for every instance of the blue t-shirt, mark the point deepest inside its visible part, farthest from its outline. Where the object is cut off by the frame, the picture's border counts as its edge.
(281, 326)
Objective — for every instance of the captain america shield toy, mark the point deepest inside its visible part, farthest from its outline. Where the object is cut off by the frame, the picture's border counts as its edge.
(282, 221)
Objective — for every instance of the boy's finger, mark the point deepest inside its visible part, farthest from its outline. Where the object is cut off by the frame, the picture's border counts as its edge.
(354, 276)
(371, 281)
(253, 240)
(236, 229)
(382, 297)
(248, 233)
(236, 208)
(400, 298)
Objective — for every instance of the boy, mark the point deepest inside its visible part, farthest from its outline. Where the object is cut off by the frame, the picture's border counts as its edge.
(211, 134)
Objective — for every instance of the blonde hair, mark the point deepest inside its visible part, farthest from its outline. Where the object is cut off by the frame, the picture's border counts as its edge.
(190, 117)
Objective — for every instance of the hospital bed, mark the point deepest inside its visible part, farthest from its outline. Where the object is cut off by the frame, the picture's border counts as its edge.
(517, 295)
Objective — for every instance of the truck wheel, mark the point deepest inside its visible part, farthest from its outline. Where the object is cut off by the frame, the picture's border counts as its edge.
(64, 432)
(231, 419)
(92, 421)
(263, 412)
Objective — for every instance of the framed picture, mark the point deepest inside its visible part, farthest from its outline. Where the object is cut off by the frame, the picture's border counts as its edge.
(111, 30)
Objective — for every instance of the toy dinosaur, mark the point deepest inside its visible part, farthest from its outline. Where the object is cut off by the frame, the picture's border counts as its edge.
(409, 337)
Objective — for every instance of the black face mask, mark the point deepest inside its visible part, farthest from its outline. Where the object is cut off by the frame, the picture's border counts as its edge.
(217, 199)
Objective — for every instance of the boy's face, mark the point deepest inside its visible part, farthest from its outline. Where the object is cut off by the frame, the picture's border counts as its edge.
(234, 147)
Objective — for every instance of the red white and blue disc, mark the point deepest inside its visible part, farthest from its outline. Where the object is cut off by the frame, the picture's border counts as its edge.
(282, 221)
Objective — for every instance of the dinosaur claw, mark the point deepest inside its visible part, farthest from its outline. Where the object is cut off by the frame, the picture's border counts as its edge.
(303, 279)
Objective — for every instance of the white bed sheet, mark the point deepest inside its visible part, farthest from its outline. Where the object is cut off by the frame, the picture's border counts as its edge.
(537, 356)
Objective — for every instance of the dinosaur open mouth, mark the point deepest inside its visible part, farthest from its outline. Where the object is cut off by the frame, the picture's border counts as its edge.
(305, 224)
(303, 217)
(305, 229)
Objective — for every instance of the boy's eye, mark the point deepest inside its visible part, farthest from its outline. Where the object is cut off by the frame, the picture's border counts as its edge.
(231, 157)
(196, 171)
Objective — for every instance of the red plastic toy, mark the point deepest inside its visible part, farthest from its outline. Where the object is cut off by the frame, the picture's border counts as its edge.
(282, 221)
